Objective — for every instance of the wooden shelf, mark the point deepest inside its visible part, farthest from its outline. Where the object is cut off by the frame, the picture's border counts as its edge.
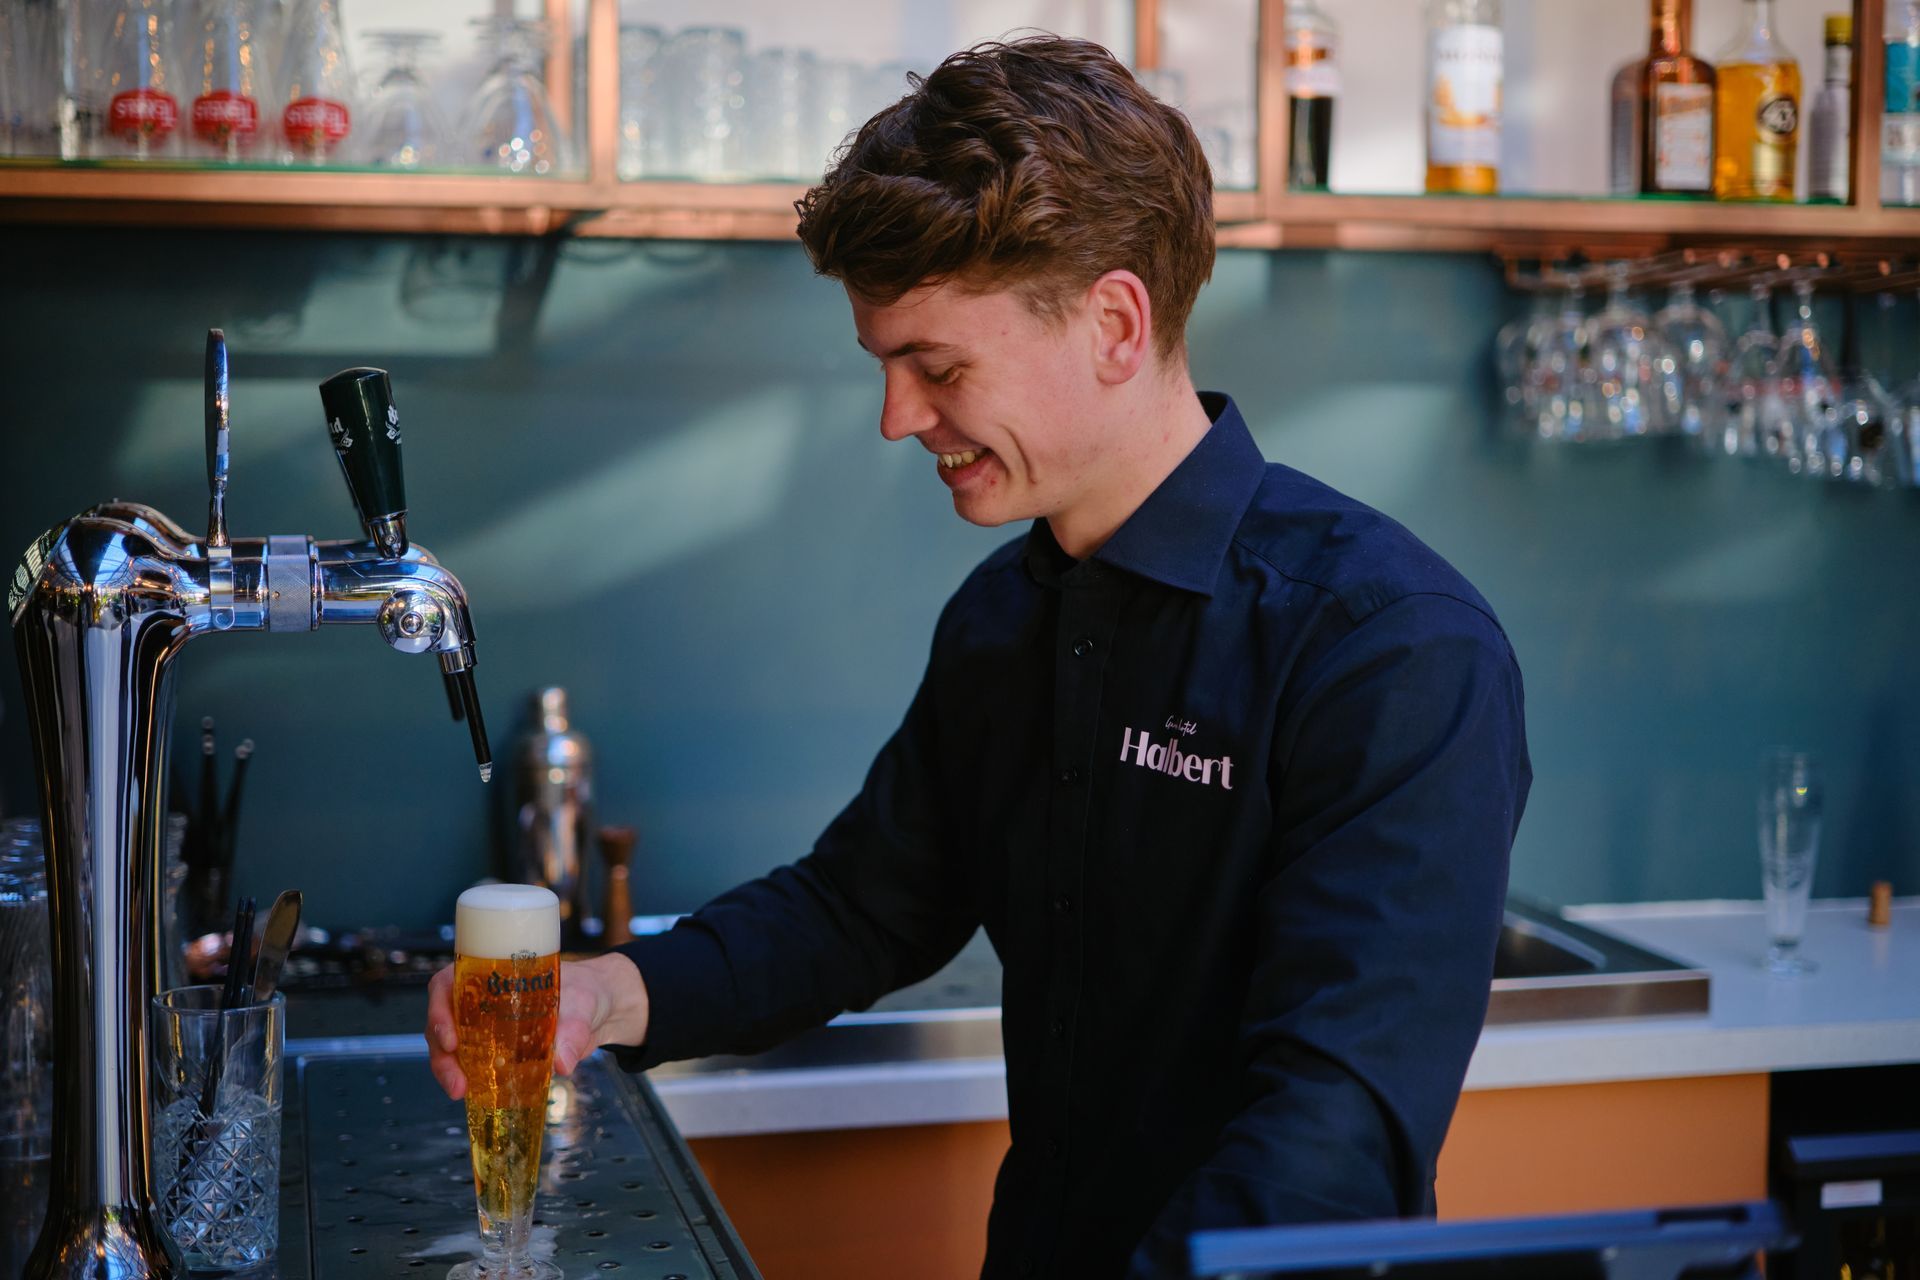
(596, 204)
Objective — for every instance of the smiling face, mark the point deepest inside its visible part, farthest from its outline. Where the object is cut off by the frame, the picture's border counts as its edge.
(1006, 402)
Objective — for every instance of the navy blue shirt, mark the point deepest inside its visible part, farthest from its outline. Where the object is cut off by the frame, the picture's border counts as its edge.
(1233, 799)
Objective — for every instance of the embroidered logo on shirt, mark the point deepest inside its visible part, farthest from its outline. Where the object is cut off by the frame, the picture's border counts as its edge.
(1136, 747)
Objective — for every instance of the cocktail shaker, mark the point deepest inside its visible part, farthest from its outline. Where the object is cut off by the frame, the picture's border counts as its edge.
(553, 806)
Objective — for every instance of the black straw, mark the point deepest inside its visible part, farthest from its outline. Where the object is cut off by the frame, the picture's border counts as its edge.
(230, 997)
(230, 820)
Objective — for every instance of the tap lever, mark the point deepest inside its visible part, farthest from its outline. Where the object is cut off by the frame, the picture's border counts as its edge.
(460, 684)
(365, 428)
(218, 438)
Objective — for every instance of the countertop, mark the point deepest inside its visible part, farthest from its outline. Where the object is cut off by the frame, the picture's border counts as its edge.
(941, 1063)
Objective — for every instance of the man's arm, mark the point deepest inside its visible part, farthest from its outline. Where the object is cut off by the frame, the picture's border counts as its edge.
(1400, 771)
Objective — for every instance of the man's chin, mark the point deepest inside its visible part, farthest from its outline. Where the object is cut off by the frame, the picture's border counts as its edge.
(984, 511)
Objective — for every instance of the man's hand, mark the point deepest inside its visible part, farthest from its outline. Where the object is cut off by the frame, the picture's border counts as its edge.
(602, 1001)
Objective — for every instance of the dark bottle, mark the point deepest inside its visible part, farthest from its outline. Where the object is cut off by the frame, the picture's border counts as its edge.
(1676, 108)
(1313, 82)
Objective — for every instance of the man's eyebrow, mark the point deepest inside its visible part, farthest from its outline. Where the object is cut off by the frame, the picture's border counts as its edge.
(907, 348)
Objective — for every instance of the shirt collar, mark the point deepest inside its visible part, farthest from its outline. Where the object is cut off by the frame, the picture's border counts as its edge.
(1179, 536)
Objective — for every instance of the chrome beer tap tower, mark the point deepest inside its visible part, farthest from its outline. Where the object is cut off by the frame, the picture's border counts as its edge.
(101, 605)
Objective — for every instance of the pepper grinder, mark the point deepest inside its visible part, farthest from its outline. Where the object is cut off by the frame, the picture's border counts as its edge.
(616, 850)
(553, 804)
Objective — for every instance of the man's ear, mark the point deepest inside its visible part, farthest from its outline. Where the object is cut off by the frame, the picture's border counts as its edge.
(1123, 326)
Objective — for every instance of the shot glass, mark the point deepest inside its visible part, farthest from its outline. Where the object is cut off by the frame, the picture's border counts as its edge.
(1791, 800)
(216, 1126)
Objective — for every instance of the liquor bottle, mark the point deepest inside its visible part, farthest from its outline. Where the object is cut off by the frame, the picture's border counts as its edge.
(1828, 164)
(1676, 104)
(1464, 62)
(1900, 126)
(1757, 132)
(1313, 82)
(1623, 129)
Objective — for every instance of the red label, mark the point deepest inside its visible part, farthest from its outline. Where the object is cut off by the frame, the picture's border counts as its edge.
(308, 121)
(222, 115)
(142, 111)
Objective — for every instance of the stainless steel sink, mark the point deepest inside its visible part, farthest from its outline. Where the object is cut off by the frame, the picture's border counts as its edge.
(1549, 969)
(1546, 969)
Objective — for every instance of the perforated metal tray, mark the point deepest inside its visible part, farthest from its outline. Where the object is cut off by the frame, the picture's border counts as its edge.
(376, 1183)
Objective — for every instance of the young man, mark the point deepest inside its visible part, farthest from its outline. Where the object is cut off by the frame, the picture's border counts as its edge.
(1228, 765)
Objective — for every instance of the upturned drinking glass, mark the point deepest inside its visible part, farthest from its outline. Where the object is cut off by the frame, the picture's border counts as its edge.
(1791, 801)
(142, 102)
(644, 144)
(780, 89)
(319, 94)
(229, 117)
(1626, 356)
(706, 75)
(1559, 379)
(216, 1169)
(1809, 393)
(1867, 443)
(514, 128)
(1696, 363)
(1750, 394)
(403, 129)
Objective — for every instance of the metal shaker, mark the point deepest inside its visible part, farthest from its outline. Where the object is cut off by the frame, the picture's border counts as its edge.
(553, 806)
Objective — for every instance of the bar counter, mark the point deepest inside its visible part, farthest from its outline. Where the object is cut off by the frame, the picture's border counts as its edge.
(375, 1179)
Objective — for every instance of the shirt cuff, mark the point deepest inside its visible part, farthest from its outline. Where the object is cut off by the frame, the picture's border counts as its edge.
(689, 996)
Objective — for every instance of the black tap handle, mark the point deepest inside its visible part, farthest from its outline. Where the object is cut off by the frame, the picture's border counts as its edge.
(454, 702)
(365, 428)
(460, 683)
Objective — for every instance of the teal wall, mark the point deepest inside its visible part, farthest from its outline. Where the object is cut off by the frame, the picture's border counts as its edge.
(656, 467)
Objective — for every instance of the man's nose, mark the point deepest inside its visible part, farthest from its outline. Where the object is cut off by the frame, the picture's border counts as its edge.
(906, 410)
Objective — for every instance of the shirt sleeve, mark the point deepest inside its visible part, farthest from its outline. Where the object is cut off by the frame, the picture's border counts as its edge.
(1400, 772)
(880, 902)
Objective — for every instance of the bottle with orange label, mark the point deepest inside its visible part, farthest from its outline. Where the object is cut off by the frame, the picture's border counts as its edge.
(1465, 60)
(1757, 110)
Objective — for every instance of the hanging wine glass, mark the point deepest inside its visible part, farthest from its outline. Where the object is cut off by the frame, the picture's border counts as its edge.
(143, 114)
(1750, 394)
(1695, 365)
(1515, 347)
(402, 128)
(227, 63)
(1558, 390)
(1809, 392)
(514, 128)
(318, 93)
(1626, 355)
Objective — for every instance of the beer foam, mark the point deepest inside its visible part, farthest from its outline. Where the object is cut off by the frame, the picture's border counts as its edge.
(495, 921)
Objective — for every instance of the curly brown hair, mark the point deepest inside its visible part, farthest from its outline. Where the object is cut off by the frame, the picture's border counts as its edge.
(1035, 165)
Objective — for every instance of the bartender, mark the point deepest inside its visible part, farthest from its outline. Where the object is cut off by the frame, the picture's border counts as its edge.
(1227, 764)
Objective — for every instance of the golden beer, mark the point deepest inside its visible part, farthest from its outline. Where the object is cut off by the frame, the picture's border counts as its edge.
(506, 1003)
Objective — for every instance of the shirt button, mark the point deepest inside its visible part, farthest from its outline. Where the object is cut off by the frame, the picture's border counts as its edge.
(1062, 905)
(1069, 776)
(1059, 1026)
(1083, 646)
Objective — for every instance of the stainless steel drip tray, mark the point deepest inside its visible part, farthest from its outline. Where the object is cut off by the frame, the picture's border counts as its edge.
(375, 1178)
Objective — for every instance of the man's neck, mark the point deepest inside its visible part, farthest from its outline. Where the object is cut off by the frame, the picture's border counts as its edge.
(1151, 437)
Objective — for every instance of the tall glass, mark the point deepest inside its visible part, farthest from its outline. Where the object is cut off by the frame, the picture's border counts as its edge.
(1809, 393)
(513, 124)
(403, 129)
(226, 75)
(1697, 343)
(1791, 800)
(506, 1002)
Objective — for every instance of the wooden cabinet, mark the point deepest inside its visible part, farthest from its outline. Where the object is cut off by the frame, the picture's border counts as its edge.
(914, 1200)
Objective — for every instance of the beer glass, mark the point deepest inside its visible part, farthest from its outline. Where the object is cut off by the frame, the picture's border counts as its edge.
(506, 1002)
(1791, 800)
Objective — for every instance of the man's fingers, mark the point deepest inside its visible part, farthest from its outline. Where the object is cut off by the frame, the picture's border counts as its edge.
(441, 1037)
(447, 1071)
(571, 1042)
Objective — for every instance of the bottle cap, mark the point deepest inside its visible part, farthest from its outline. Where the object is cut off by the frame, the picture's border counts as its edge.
(1880, 905)
(1839, 28)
